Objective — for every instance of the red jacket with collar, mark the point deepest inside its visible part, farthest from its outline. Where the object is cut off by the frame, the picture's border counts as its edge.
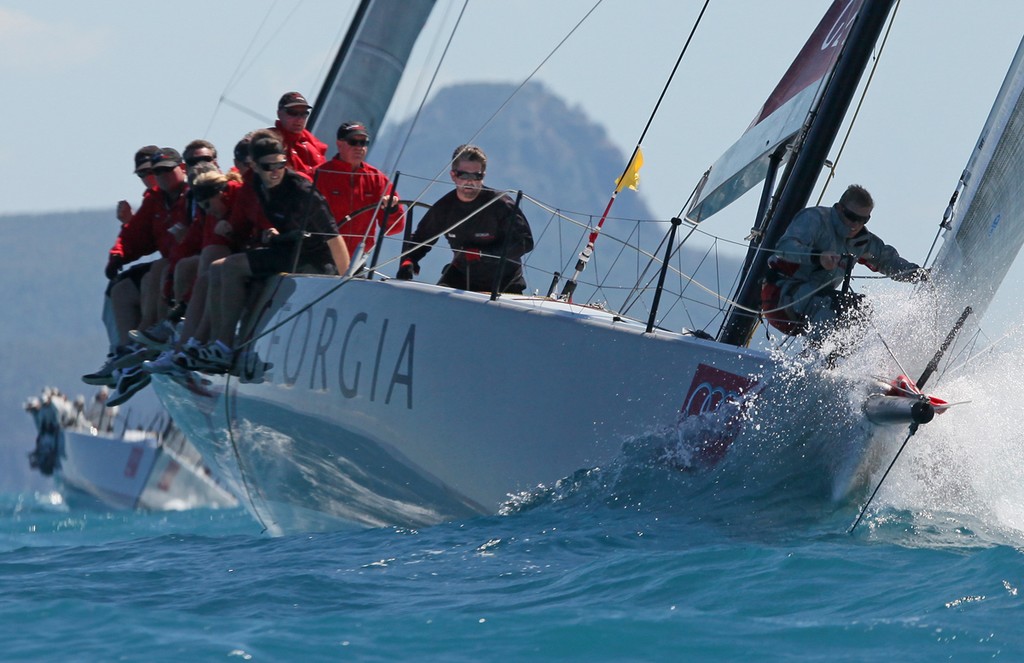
(192, 243)
(348, 189)
(210, 236)
(247, 218)
(305, 151)
(147, 231)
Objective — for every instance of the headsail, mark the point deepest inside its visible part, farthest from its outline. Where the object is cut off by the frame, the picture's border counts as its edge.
(987, 232)
(745, 163)
(369, 65)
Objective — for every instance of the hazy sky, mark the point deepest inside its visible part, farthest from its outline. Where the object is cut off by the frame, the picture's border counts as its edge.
(88, 83)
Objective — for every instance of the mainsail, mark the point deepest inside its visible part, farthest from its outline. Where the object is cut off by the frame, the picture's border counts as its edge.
(369, 65)
(780, 118)
(987, 232)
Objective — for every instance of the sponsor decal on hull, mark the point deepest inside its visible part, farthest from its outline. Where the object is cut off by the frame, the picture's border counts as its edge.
(710, 388)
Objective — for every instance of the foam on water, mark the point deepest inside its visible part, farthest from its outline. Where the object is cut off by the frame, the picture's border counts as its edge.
(804, 454)
(960, 476)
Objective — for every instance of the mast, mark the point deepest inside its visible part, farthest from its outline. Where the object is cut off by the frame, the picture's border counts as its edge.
(369, 65)
(803, 173)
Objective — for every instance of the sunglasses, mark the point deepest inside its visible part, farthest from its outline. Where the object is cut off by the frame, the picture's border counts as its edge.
(354, 142)
(204, 204)
(296, 113)
(162, 170)
(853, 217)
(467, 175)
(143, 174)
(272, 166)
(191, 161)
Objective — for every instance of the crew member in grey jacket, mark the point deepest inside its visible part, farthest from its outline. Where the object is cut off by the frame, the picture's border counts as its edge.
(810, 265)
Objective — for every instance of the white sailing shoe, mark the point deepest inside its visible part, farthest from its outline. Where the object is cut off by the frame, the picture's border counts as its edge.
(160, 336)
(165, 363)
(130, 382)
(213, 358)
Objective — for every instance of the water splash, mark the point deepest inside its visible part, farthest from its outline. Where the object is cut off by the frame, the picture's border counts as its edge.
(806, 456)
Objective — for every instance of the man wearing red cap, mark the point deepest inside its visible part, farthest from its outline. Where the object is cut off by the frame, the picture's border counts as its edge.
(350, 184)
(304, 150)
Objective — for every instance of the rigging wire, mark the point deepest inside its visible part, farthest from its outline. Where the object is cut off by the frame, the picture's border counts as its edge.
(505, 103)
(522, 84)
(632, 164)
(245, 63)
(913, 429)
(430, 85)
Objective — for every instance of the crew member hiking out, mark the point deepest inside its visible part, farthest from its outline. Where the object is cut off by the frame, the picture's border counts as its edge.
(802, 292)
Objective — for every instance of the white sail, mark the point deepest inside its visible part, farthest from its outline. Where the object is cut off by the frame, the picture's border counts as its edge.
(988, 229)
(780, 118)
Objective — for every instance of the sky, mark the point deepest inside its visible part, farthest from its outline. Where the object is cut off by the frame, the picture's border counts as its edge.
(86, 84)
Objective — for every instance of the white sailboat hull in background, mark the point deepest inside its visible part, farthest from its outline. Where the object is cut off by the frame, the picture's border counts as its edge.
(135, 472)
(399, 403)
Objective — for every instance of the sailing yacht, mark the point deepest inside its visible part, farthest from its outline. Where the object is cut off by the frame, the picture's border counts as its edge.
(152, 468)
(368, 401)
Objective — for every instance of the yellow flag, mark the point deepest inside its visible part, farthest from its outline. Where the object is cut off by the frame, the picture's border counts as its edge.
(632, 176)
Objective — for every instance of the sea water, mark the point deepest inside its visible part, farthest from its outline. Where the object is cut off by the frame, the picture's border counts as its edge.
(644, 559)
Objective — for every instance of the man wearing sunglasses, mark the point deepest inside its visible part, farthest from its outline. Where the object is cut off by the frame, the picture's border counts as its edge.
(145, 233)
(482, 225)
(304, 150)
(350, 184)
(144, 171)
(810, 264)
(298, 235)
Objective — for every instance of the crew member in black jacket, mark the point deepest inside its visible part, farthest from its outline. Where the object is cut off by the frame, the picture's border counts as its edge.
(482, 225)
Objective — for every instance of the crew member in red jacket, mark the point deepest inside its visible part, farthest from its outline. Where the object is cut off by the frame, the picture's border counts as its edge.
(304, 150)
(145, 233)
(144, 171)
(350, 184)
(301, 238)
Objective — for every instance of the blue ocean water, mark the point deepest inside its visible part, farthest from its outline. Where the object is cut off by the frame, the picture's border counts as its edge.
(636, 561)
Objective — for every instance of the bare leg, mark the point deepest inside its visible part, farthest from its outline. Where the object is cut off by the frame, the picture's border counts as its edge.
(152, 286)
(125, 299)
(235, 274)
(185, 277)
(197, 322)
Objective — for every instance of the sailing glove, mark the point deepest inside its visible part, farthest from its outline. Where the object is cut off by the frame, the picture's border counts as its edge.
(114, 265)
(407, 270)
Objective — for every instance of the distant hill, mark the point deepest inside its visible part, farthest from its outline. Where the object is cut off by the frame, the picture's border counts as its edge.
(538, 143)
(52, 264)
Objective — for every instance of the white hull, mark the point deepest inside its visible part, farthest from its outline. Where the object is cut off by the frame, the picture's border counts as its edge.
(410, 404)
(135, 472)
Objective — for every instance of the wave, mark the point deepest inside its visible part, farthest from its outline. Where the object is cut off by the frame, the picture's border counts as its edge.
(805, 458)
